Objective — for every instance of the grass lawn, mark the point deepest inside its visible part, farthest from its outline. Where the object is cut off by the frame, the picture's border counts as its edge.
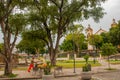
(64, 64)
(78, 64)
(17, 68)
(115, 61)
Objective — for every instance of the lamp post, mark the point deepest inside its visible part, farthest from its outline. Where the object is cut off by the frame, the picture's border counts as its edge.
(74, 56)
(73, 44)
(74, 65)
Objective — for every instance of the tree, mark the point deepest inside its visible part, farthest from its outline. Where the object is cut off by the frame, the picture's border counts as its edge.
(78, 37)
(56, 16)
(74, 41)
(11, 25)
(115, 35)
(105, 37)
(96, 40)
(86, 57)
(31, 44)
(67, 45)
(107, 50)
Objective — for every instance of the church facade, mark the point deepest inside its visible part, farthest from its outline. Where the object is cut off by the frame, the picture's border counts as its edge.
(89, 32)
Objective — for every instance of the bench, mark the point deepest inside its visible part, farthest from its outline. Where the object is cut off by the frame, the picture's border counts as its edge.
(58, 70)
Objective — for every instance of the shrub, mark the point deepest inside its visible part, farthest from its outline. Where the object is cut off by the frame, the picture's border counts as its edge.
(47, 69)
(86, 68)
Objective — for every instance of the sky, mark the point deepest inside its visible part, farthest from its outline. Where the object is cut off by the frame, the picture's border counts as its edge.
(111, 7)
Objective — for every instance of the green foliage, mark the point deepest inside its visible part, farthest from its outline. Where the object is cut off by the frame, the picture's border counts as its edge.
(34, 34)
(78, 64)
(17, 22)
(108, 49)
(115, 62)
(30, 42)
(96, 40)
(115, 35)
(9, 76)
(12, 75)
(71, 61)
(86, 67)
(105, 37)
(47, 69)
(86, 57)
(67, 45)
(73, 42)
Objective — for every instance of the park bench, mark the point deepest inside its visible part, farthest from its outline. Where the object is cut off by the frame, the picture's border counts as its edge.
(58, 70)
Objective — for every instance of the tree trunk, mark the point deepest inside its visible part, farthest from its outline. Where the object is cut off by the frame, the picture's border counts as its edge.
(53, 60)
(8, 68)
(53, 57)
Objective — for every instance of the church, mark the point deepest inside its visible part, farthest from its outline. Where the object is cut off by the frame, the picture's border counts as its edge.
(89, 32)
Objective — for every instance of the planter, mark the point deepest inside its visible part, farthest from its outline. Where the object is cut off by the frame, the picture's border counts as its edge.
(86, 75)
(47, 77)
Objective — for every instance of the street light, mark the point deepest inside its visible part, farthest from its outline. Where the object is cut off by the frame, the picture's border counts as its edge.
(74, 56)
(73, 48)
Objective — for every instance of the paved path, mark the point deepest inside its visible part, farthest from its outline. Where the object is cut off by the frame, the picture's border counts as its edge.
(99, 72)
(114, 75)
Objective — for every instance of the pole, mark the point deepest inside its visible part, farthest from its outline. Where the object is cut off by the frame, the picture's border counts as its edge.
(74, 57)
(74, 64)
(73, 51)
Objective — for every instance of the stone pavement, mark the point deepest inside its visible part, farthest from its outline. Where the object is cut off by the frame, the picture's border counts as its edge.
(114, 75)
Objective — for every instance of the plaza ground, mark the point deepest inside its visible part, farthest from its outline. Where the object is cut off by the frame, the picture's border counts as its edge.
(98, 72)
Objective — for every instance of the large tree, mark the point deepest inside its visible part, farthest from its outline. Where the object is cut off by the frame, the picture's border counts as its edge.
(31, 45)
(11, 24)
(55, 16)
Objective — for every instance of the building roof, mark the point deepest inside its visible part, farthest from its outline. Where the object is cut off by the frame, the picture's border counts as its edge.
(100, 31)
(89, 28)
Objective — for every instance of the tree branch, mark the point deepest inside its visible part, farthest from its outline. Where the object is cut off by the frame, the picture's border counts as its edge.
(4, 56)
(15, 38)
(8, 11)
(54, 2)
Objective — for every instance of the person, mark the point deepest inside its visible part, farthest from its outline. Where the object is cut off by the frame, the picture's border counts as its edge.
(31, 65)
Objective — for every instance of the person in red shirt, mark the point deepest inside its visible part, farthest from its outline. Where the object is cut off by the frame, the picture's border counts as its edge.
(31, 65)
